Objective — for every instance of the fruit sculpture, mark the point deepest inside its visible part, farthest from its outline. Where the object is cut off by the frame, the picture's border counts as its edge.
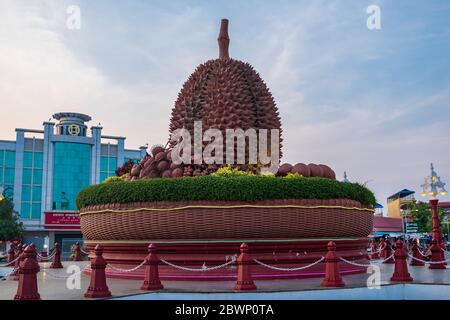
(224, 94)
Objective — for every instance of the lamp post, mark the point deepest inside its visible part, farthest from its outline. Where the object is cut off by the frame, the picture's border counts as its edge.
(433, 187)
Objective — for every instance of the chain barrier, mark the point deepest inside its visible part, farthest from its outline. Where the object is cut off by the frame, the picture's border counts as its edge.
(14, 270)
(47, 258)
(379, 250)
(426, 254)
(202, 269)
(289, 269)
(57, 276)
(426, 261)
(84, 252)
(8, 264)
(126, 270)
(366, 265)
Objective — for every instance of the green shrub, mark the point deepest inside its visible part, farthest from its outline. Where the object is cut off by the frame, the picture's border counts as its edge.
(239, 188)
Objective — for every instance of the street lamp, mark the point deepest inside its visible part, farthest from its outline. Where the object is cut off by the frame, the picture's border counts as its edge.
(433, 187)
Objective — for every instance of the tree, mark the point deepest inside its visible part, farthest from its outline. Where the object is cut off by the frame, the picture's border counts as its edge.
(421, 214)
(10, 227)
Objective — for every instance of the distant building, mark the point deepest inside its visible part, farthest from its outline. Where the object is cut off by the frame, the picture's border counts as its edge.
(43, 171)
(398, 202)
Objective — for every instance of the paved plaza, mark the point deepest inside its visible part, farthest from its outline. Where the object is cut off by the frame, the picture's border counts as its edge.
(431, 283)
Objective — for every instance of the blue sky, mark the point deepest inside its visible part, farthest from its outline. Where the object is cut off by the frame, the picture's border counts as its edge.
(375, 103)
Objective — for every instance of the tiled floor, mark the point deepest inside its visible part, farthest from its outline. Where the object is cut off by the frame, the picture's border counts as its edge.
(52, 283)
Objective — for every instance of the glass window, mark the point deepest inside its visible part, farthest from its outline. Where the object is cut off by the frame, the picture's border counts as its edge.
(103, 176)
(2, 154)
(1, 176)
(10, 158)
(9, 176)
(26, 193)
(38, 159)
(26, 178)
(112, 164)
(37, 193)
(25, 210)
(37, 176)
(27, 159)
(71, 173)
(103, 163)
(36, 210)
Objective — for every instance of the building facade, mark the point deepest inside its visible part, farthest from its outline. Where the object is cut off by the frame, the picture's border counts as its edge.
(42, 171)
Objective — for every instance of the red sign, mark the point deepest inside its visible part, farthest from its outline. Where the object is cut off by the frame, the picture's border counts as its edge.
(62, 220)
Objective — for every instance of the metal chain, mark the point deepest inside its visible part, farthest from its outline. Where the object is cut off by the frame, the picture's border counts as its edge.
(126, 270)
(14, 270)
(430, 262)
(8, 264)
(203, 268)
(56, 276)
(289, 269)
(360, 264)
(367, 265)
(84, 252)
(46, 258)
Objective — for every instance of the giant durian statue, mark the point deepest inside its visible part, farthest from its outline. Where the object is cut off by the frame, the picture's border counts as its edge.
(223, 93)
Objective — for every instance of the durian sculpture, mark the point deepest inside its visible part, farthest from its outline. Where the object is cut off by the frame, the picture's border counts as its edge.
(223, 93)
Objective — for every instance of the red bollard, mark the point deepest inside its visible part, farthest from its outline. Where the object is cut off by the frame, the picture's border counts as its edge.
(388, 252)
(97, 287)
(374, 254)
(436, 256)
(19, 254)
(29, 267)
(11, 254)
(383, 248)
(401, 267)
(77, 256)
(151, 279)
(332, 275)
(244, 277)
(56, 263)
(417, 255)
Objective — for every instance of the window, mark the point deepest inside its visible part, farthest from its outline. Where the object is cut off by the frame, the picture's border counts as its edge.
(108, 166)
(31, 182)
(71, 173)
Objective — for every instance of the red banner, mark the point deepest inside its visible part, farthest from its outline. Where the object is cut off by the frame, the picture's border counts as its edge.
(62, 220)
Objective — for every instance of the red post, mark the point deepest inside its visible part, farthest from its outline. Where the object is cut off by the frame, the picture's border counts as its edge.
(77, 256)
(416, 254)
(98, 287)
(56, 263)
(374, 254)
(401, 267)
(244, 277)
(19, 254)
(29, 267)
(388, 252)
(436, 256)
(383, 248)
(332, 275)
(436, 231)
(151, 279)
(11, 253)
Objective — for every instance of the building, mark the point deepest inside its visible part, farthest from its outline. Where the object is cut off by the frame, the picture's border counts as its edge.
(398, 202)
(43, 171)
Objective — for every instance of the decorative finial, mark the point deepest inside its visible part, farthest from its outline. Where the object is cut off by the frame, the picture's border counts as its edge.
(224, 40)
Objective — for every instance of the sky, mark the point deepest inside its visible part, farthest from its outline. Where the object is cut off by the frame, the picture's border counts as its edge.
(373, 103)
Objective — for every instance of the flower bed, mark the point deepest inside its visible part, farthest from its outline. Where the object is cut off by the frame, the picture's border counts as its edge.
(216, 188)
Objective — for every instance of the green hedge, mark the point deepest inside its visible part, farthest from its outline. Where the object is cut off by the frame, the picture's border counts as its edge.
(245, 188)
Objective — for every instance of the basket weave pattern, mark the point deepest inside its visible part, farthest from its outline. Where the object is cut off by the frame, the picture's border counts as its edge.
(339, 218)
